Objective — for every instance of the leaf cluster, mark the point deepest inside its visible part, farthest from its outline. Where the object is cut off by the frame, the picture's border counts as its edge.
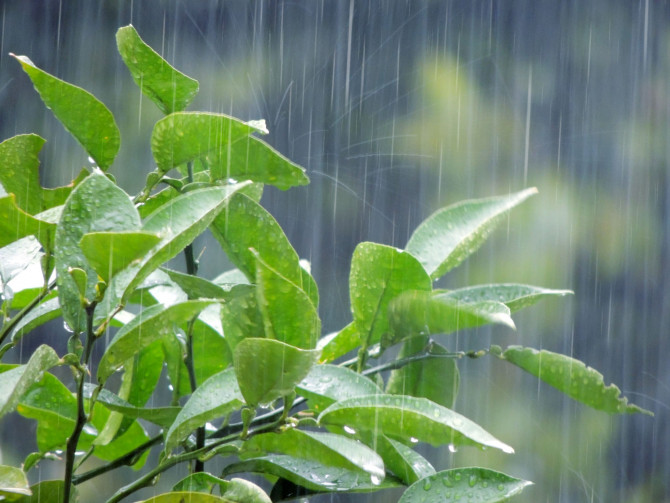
(252, 377)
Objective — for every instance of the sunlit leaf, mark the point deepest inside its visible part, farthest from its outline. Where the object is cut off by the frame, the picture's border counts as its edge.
(86, 118)
(13, 483)
(513, 295)
(435, 378)
(422, 313)
(216, 397)
(288, 313)
(15, 382)
(267, 369)
(150, 325)
(109, 252)
(170, 89)
(404, 418)
(326, 384)
(246, 225)
(327, 448)
(16, 224)
(309, 474)
(475, 484)
(184, 136)
(253, 159)
(96, 204)
(178, 223)
(451, 234)
(570, 376)
(378, 274)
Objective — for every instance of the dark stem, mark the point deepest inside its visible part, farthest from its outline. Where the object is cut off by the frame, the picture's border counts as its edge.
(81, 413)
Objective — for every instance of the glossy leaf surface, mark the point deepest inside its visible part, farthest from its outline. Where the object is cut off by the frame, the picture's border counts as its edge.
(404, 417)
(13, 483)
(167, 87)
(378, 274)
(338, 344)
(48, 491)
(471, 484)
(44, 312)
(148, 326)
(407, 464)
(82, 114)
(570, 376)
(513, 295)
(451, 234)
(16, 224)
(184, 497)
(19, 171)
(267, 369)
(216, 397)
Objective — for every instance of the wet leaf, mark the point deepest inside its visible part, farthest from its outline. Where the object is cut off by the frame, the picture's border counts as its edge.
(167, 87)
(288, 313)
(378, 274)
(246, 225)
(183, 497)
(308, 473)
(201, 482)
(96, 204)
(421, 313)
(184, 136)
(570, 376)
(240, 316)
(243, 491)
(327, 448)
(195, 286)
(110, 252)
(475, 484)
(178, 223)
(148, 326)
(451, 234)
(81, 113)
(216, 397)
(326, 384)
(19, 171)
(13, 483)
(44, 312)
(407, 464)
(513, 295)
(434, 378)
(267, 369)
(15, 382)
(16, 224)
(404, 418)
(253, 159)
(49, 491)
(339, 343)
(162, 416)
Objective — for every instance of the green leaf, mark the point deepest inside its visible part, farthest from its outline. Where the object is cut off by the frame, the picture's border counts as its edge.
(211, 353)
(477, 484)
(422, 313)
(14, 383)
(243, 491)
(288, 313)
(570, 376)
(253, 159)
(405, 418)
(86, 118)
(49, 491)
(13, 483)
(178, 223)
(378, 274)
(309, 474)
(96, 204)
(246, 225)
(241, 317)
(16, 224)
(327, 448)
(201, 482)
(148, 326)
(216, 397)
(110, 252)
(435, 378)
(19, 170)
(513, 295)
(403, 461)
(451, 234)
(267, 369)
(326, 384)
(184, 136)
(195, 286)
(338, 344)
(44, 312)
(162, 416)
(190, 497)
(168, 88)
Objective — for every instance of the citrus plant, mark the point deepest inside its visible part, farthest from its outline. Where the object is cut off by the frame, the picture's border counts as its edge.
(252, 378)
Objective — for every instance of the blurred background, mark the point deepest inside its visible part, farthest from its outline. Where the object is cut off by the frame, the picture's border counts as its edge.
(397, 108)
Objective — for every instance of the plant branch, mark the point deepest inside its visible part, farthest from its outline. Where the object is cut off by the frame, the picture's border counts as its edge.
(9, 326)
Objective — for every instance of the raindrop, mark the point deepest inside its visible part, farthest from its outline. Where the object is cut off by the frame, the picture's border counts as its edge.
(414, 440)
(501, 487)
(349, 430)
(452, 448)
(447, 482)
(67, 327)
(375, 480)
(472, 480)
(427, 485)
